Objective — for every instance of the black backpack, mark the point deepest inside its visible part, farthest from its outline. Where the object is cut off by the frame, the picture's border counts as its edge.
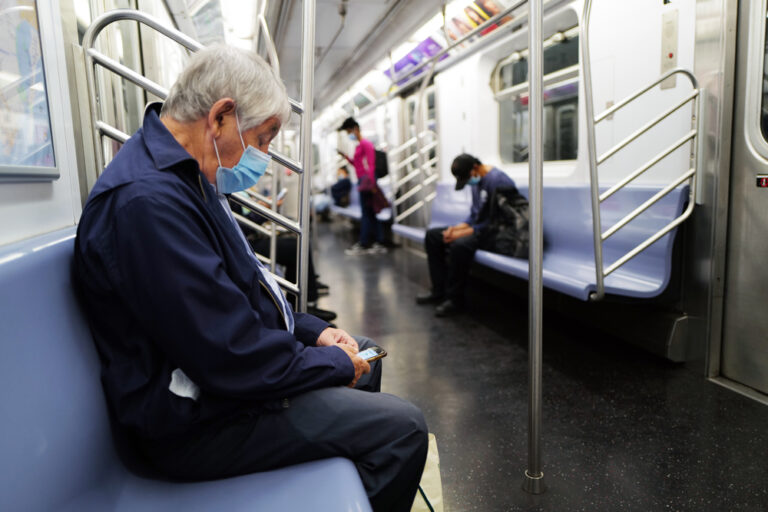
(507, 229)
(381, 165)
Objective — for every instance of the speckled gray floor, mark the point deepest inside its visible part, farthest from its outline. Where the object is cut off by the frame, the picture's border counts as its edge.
(622, 429)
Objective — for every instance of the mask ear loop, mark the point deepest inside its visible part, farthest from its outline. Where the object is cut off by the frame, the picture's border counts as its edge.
(216, 149)
(239, 132)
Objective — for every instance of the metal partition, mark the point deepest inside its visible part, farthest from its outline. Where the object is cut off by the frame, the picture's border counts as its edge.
(402, 172)
(101, 129)
(689, 175)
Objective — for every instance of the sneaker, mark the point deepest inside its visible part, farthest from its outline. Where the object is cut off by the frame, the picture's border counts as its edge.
(357, 250)
(377, 248)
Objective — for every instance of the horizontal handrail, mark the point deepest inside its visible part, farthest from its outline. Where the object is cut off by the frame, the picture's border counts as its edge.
(413, 191)
(652, 239)
(408, 177)
(405, 161)
(112, 132)
(268, 213)
(621, 145)
(416, 207)
(650, 202)
(623, 103)
(410, 142)
(126, 72)
(105, 19)
(618, 186)
(286, 161)
(245, 221)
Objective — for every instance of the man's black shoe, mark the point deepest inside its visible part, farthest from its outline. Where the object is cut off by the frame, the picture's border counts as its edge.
(447, 308)
(322, 314)
(322, 289)
(429, 298)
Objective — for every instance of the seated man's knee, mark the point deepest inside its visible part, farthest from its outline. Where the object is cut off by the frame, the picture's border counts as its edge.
(434, 236)
(407, 419)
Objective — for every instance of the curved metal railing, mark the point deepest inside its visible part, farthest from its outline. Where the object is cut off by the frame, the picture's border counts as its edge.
(600, 236)
(101, 129)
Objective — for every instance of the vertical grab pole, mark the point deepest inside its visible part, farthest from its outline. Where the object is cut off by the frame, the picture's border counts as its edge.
(534, 478)
(307, 88)
(597, 234)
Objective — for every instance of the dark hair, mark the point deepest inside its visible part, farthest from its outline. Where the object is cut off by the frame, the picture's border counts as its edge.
(349, 124)
(343, 168)
(461, 168)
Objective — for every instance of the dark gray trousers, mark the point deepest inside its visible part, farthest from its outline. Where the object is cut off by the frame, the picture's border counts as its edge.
(385, 436)
(449, 264)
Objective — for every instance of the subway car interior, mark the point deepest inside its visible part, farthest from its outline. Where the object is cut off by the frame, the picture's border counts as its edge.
(544, 211)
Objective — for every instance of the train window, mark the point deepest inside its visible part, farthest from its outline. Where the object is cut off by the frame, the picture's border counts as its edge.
(510, 84)
(764, 80)
(361, 100)
(26, 145)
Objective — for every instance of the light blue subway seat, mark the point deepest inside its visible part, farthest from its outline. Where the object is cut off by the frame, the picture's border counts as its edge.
(568, 262)
(56, 444)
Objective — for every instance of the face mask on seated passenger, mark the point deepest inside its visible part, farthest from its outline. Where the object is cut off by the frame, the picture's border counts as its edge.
(474, 180)
(251, 167)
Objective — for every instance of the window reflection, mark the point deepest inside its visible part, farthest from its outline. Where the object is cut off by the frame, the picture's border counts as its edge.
(25, 128)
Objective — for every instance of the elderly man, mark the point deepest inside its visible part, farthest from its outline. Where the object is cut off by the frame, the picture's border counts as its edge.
(205, 366)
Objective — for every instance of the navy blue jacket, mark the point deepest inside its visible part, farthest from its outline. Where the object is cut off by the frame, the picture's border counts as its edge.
(166, 283)
(482, 192)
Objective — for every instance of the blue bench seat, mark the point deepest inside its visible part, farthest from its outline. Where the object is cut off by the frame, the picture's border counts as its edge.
(354, 210)
(568, 262)
(56, 444)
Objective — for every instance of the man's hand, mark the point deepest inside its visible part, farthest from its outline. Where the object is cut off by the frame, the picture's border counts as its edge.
(361, 365)
(331, 336)
(458, 231)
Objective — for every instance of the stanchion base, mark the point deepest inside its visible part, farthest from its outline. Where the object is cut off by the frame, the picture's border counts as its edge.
(534, 484)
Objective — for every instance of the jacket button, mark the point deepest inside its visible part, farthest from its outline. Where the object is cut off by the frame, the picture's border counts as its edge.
(286, 403)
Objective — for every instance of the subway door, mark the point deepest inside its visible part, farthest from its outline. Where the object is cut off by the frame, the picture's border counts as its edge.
(744, 356)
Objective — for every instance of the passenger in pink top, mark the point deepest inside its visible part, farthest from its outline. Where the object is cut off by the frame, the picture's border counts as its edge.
(365, 169)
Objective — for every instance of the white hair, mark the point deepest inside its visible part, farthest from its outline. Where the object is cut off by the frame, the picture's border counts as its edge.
(222, 71)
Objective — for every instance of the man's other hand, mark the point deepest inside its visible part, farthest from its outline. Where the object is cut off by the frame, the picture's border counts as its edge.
(458, 231)
(361, 365)
(331, 336)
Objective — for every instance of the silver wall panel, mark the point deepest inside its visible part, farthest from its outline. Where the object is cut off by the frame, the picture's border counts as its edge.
(744, 355)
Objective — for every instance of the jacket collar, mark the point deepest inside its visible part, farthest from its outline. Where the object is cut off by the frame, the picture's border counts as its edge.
(164, 149)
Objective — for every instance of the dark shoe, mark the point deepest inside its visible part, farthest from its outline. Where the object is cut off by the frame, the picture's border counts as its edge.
(322, 314)
(322, 289)
(447, 308)
(429, 298)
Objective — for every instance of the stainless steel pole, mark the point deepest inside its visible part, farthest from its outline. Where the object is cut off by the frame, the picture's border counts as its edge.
(307, 88)
(592, 151)
(534, 478)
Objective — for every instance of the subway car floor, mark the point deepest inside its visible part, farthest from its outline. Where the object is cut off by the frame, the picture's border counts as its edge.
(622, 429)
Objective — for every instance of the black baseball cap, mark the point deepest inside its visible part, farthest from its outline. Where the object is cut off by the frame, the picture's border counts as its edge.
(461, 168)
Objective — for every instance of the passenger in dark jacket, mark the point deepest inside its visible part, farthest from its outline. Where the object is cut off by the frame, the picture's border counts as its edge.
(340, 190)
(205, 366)
(450, 249)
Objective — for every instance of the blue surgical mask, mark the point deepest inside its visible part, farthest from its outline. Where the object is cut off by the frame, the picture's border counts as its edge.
(474, 180)
(251, 167)
(352, 137)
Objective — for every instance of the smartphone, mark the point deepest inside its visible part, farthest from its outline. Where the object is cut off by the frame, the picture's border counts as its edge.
(372, 353)
(282, 194)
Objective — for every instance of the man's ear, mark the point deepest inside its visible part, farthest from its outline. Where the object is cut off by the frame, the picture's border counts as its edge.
(218, 113)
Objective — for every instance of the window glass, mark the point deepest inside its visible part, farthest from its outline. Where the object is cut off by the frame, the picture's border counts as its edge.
(556, 57)
(25, 126)
(560, 124)
(764, 106)
(361, 100)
